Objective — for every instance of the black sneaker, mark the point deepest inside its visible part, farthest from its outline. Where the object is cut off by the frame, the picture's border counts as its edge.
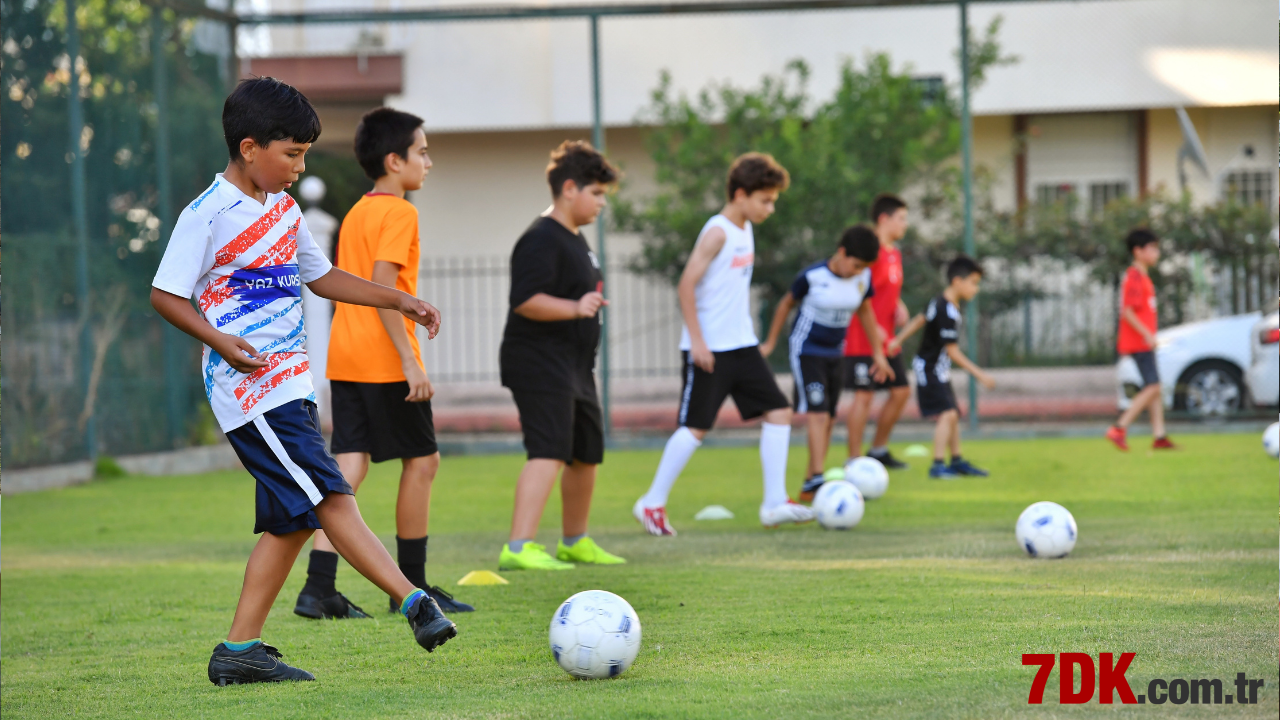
(889, 461)
(334, 607)
(430, 627)
(810, 487)
(260, 663)
(447, 604)
(964, 467)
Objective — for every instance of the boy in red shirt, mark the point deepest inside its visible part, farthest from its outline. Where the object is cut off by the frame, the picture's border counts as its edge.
(889, 213)
(1137, 339)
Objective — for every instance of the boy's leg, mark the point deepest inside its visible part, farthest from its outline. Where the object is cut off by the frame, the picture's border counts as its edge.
(1155, 411)
(268, 567)
(775, 443)
(413, 503)
(889, 415)
(1146, 396)
(319, 597)
(820, 424)
(859, 413)
(353, 539)
(532, 490)
(577, 483)
(942, 434)
(954, 441)
(354, 467)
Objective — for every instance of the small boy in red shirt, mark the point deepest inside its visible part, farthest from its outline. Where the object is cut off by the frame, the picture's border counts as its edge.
(1137, 339)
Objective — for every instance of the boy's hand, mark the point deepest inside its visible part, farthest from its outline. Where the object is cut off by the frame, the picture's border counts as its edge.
(423, 313)
(238, 353)
(702, 357)
(766, 349)
(987, 381)
(1151, 338)
(420, 387)
(590, 304)
(881, 371)
(893, 347)
(901, 315)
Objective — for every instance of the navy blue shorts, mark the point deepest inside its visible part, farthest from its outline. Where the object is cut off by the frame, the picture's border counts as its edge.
(284, 451)
(1146, 362)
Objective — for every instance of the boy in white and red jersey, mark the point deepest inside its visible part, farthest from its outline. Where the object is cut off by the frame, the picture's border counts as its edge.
(721, 352)
(242, 251)
(889, 214)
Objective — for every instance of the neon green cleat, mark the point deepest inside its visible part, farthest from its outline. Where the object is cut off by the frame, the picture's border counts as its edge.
(531, 557)
(586, 551)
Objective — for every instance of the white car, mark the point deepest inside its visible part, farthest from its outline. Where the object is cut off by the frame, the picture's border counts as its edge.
(1201, 364)
(1263, 374)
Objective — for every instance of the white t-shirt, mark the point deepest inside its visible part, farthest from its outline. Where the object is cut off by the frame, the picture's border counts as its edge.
(724, 292)
(827, 303)
(244, 264)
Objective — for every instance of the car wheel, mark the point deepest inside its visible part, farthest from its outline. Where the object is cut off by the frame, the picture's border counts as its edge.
(1210, 388)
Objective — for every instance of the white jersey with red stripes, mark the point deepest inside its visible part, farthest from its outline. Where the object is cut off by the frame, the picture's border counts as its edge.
(244, 264)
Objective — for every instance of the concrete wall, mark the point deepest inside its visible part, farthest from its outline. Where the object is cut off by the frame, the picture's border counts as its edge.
(1224, 132)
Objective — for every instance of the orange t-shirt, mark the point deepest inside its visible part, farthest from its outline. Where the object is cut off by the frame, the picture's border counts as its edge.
(378, 227)
(1139, 294)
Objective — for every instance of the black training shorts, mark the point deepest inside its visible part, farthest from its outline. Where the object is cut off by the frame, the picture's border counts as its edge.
(558, 426)
(818, 383)
(857, 374)
(1146, 362)
(374, 418)
(742, 374)
(936, 398)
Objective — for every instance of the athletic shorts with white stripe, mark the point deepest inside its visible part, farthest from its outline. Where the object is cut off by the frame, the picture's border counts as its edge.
(284, 451)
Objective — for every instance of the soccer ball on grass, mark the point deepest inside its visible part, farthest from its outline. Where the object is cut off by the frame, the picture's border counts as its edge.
(838, 505)
(595, 634)
(869, 475)
(1046, 530)
(1271, 440)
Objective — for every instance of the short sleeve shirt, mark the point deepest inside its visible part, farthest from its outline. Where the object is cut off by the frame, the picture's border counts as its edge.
(886, 280)
(244, 264)
(557, 356)
(827, 302)
(942, 328)
(1137, 293)
(378, 227)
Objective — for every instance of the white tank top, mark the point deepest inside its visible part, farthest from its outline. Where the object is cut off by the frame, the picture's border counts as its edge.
(724, 293)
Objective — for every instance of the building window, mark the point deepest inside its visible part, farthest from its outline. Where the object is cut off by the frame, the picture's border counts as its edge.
(1100, 194)
(1249, 187)
(932, 89)
(1051, 193)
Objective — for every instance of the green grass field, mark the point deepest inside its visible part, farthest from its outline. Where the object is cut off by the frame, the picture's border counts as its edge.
(117, 591)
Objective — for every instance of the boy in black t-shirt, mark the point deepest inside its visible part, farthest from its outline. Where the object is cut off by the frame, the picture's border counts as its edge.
(941, 321)
(548, 359)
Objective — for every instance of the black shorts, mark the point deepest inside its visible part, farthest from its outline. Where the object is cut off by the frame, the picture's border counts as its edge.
(818, 383)
(1146, 362)
(374, 418)
(284, 451)
(936, 398)
(558, 426)
(857, 374)
(742, 374)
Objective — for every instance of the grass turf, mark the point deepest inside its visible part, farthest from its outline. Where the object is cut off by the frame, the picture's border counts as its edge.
(118, 590)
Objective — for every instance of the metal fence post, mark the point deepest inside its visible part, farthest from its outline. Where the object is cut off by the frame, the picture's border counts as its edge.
(597, 139)
(966, 144)
(164, 201)
(79, 214)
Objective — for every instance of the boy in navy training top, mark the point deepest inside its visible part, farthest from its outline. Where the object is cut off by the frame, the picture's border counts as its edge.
(941, 321)
(828, 292)
(242, 251)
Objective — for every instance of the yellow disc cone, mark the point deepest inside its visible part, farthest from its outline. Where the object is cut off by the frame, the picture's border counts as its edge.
(482, 577)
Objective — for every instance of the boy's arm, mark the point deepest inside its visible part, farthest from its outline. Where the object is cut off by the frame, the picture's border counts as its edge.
(179, 312)
(704, 251)
(958, 357)
(912, 327)
(342, 286)
(880, 366)
(549, 308)
(1128, 315)
(420, 388)
(785, 305)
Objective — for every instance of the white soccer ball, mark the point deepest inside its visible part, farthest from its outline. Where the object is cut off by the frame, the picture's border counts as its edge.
(869, 475)
(838, 505)
(1271, 440)
(595, 634)
(1046, 530)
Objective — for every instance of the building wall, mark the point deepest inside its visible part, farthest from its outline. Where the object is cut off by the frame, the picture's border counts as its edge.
(1224, 132)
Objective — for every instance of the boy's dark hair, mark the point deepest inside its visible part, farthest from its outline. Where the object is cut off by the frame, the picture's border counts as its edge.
(756, 171)
(576, 160)
(861, 242)
(885, 204)
(1139, 237)
(962, 267)
(266, 110)
(383, 131)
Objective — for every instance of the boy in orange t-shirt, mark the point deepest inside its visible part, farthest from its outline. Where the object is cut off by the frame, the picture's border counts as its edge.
(1136, 338)
(381, 393)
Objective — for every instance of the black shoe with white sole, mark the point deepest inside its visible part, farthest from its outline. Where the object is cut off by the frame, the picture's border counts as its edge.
(255, 664)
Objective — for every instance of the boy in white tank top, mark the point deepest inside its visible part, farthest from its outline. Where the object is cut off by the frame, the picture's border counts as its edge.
(721, 352)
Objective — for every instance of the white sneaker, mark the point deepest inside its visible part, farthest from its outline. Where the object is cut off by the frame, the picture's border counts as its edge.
(654, 520)
(787, 512)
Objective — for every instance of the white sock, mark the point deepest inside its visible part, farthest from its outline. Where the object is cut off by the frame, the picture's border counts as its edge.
(879, 450)
(674, 457)
(775, 441)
